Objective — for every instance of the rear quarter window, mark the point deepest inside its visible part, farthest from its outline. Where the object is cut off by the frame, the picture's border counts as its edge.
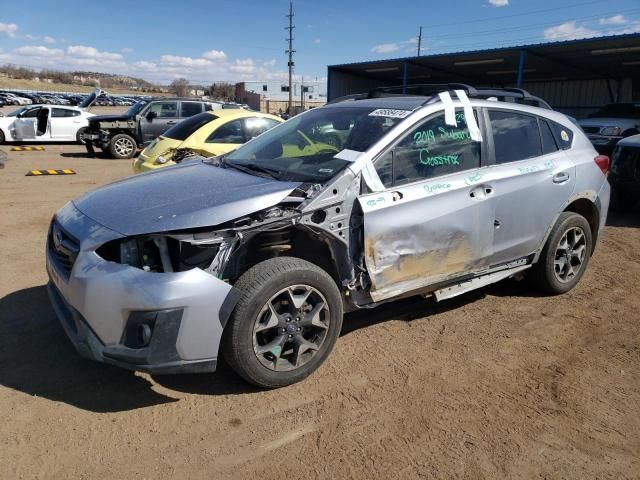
(564, 135)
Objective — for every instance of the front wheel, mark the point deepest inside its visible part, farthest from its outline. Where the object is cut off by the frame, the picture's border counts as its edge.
(2, 138)
(285, 324)
(123, 146)
(80, 135)
(565, 256)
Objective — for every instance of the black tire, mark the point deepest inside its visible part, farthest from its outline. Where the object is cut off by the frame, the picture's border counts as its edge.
(2, 137)
(258, 286)
(123, 146)
(547, 274)
(79, 135)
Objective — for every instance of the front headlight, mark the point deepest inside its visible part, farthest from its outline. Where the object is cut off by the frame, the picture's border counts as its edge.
(610, 131)
(161, 160)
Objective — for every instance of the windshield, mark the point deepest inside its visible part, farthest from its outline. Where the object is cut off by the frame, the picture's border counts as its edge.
(185, 128)
(619, 110)
(135, 108)
(304, 148)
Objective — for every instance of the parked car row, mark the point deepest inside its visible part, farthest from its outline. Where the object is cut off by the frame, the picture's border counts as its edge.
(29, 98)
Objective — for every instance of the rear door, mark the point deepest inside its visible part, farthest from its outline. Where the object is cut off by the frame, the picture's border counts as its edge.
(165, 115)
(64, 123)
(434, 221)
(533, 179)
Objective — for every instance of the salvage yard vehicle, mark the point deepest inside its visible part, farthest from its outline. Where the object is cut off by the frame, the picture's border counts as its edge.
(625, 174)
(122, 135)
(254, 256)
(47, 123)
(610, 124)
(208, 134)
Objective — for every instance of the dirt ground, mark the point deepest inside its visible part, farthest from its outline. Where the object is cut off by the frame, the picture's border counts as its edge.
(500, 383)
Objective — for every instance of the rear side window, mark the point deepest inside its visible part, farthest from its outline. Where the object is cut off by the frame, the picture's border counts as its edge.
(230, 132)
(254, 126)
(187, 127)
(564, 135)
(64, 112)
(515, 136)
(548, 140)
(189, 109)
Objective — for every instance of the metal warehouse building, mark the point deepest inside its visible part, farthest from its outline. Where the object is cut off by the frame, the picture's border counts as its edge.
(575, 76)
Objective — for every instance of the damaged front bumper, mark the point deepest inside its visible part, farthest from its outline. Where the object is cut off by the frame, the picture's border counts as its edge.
(124, 316)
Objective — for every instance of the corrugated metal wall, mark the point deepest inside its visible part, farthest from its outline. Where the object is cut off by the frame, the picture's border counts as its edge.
(576, 97)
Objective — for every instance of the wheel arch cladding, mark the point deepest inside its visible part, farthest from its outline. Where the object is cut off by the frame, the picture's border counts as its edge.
(589, 210)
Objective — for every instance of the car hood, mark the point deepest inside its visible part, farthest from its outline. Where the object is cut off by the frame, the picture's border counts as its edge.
(91, 99)
(110, 118)
(192, 194)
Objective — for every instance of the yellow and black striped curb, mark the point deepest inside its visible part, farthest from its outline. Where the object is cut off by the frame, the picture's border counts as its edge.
(35, 173)
(27, 149)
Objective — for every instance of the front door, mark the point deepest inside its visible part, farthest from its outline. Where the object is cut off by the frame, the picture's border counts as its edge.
(434, 221)
(533, 179)
(26, 125)
(163, 116)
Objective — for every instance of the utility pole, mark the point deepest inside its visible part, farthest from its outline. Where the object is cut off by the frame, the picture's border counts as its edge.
(290, 51)
(419, 41)
(302, 94)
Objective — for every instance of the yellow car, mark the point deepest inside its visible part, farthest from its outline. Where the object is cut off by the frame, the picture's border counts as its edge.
(208, 134)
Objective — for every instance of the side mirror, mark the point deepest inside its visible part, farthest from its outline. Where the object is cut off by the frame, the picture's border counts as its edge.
(151, 115)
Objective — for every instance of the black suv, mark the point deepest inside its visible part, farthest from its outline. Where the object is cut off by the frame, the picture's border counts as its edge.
(122, 135)
(625, 174)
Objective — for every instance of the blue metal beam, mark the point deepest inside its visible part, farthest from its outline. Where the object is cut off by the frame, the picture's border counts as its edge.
(523, 58)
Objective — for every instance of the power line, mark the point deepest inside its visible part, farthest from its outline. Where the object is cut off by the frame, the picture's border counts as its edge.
(532, 12)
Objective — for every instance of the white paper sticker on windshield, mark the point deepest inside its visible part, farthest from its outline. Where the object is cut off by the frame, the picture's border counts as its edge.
(348, 155)
(390, 113)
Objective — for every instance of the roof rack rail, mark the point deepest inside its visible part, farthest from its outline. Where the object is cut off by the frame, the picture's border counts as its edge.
(431, 90)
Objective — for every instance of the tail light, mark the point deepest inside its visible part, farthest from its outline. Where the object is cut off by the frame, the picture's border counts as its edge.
(603, 163)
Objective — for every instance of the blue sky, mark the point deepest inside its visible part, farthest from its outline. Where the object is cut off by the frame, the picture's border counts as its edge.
(234, 40)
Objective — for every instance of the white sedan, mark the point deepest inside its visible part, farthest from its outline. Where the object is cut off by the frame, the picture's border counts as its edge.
(47, 123)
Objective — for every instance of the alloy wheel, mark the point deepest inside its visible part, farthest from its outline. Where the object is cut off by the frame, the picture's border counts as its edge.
(291, 328)
(123, 147)
(570, 254)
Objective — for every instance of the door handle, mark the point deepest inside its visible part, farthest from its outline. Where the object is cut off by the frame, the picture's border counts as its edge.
(171, 123)
(561, 177)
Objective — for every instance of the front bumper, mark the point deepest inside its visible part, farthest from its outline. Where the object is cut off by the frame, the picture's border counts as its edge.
(102, 304)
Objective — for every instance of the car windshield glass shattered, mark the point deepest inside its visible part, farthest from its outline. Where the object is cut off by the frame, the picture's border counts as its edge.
(304, 148)
(185, 128)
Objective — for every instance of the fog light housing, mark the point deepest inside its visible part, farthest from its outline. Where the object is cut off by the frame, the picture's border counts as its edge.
(144, 334)
(161, 160)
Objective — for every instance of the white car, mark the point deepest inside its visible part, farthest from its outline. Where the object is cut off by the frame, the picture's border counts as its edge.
(47, 123)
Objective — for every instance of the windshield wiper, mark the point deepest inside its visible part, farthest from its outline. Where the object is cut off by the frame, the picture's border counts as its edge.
(250, 168)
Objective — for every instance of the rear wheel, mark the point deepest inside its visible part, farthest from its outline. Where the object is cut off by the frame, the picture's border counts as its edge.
(285, 324)
(2, 138)
(565, 256)
(123, 146)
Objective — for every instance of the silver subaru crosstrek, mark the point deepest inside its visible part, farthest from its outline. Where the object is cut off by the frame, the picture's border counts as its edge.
(255, 256)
